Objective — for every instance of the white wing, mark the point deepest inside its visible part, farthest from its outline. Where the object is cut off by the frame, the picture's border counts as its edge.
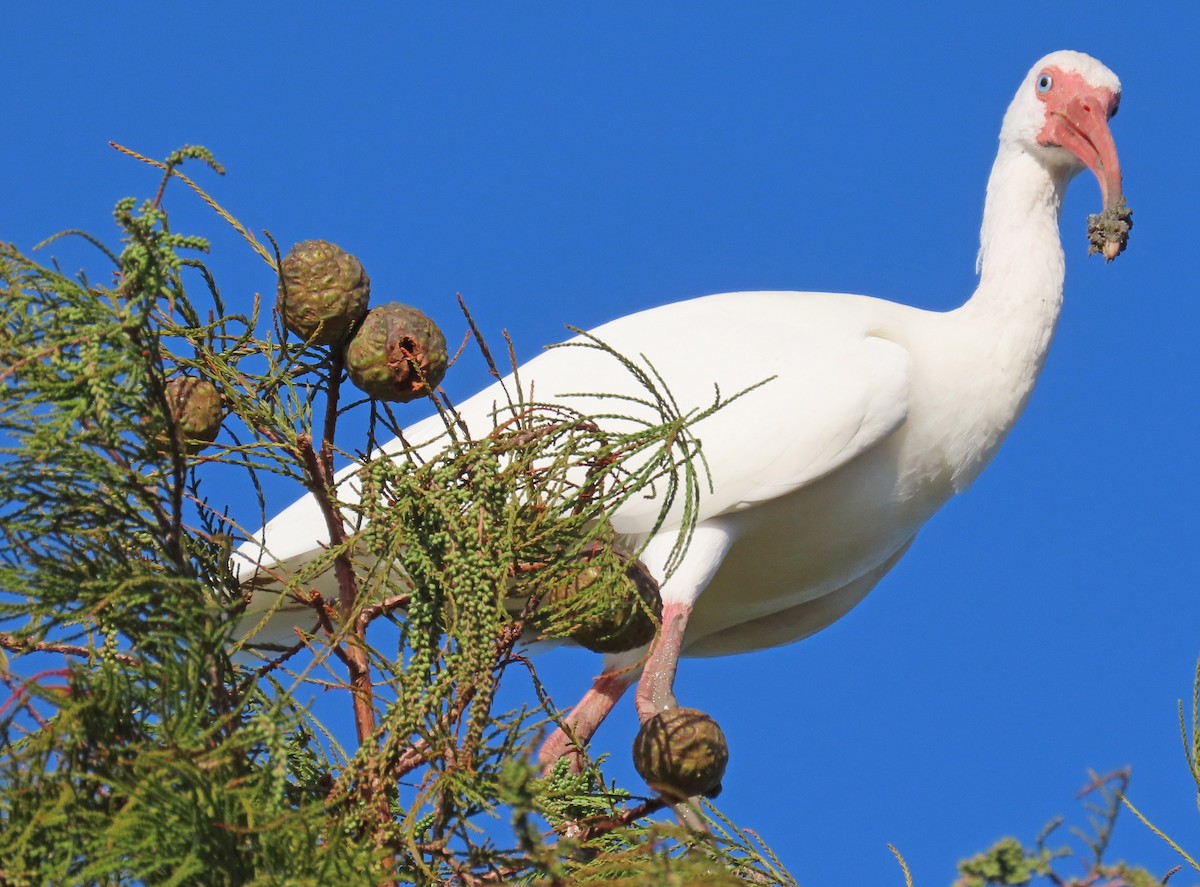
(831, 389)
(835, 390)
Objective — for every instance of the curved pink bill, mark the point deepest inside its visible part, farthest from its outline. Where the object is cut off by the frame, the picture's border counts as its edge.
(1080, 124)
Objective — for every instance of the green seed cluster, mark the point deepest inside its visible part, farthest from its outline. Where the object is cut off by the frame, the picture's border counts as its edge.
(448, 532)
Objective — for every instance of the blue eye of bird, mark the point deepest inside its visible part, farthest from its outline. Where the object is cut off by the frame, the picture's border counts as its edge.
(1044, 83)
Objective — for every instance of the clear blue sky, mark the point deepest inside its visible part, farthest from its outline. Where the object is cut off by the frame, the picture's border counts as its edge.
(563, 163)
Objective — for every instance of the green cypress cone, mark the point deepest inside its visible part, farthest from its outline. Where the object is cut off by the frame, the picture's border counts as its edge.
(322, 293)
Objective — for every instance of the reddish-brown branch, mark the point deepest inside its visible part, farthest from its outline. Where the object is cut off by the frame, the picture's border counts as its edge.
(605, 824)
(22, 645)
(595, 829)
(337, 363)
(373, 612)
(319, 469)
(20, 695)
(356, 655)
(39, 355)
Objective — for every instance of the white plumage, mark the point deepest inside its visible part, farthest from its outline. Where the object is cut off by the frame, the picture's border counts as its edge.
(877, 413)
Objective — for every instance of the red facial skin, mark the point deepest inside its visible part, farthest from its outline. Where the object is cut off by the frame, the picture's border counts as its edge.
(1077, 115)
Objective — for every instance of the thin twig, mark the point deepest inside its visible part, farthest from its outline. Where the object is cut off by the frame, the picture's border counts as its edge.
(217, 208)
(24, 645)
(620, 820)
(391, 605)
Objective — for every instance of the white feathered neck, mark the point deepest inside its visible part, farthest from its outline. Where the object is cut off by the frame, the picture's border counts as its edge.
(992, 349)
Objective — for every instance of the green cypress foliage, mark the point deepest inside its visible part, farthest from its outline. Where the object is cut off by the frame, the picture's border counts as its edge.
(135, 747)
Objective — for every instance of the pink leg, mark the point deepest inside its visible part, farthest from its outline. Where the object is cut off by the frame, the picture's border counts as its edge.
(586, 717)
(655, 691)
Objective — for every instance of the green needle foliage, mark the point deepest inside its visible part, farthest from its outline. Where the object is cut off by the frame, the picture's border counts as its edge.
(1009, 862)
(137, 746)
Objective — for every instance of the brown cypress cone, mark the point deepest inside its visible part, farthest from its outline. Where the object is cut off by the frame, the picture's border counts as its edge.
(624, 627)
(196, 410)
(681, 753)
(398, 354)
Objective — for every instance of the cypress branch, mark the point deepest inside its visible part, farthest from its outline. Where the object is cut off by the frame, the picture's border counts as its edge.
(138, 749)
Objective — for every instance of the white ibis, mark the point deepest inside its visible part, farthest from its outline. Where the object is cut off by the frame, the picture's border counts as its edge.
(877, 413)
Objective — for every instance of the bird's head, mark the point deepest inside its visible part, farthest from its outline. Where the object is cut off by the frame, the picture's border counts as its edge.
(1061, 113)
